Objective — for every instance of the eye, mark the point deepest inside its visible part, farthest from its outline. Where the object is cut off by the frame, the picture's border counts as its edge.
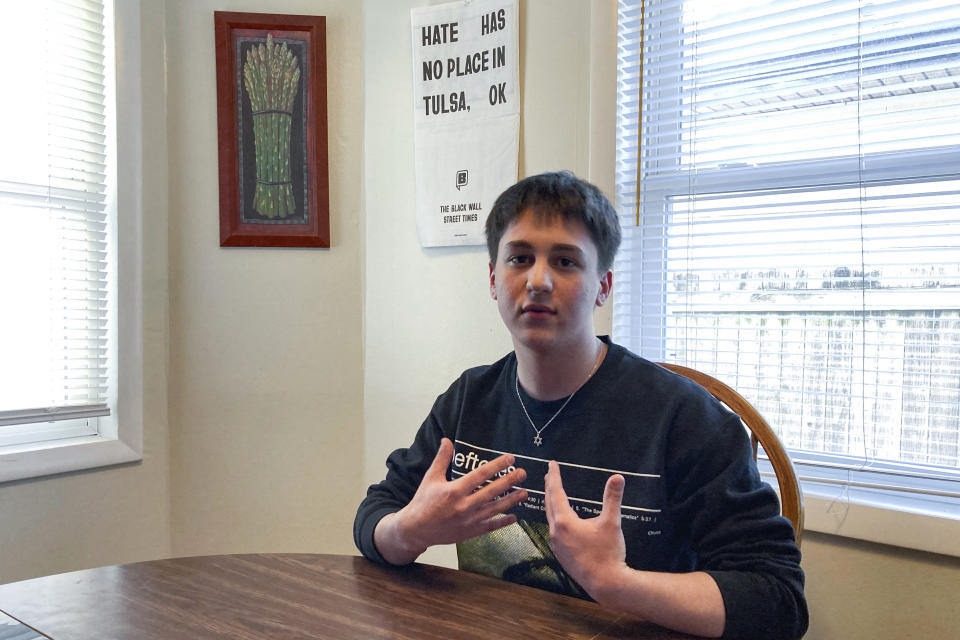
(566, 263)
(518, 260)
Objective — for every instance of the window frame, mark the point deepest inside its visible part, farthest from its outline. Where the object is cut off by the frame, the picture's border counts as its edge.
(838, 502)
(119, 437)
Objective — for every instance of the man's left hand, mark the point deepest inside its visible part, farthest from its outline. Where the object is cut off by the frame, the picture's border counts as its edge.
(590, 549)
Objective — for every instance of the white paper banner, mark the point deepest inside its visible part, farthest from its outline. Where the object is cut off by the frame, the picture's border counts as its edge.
(466, 101)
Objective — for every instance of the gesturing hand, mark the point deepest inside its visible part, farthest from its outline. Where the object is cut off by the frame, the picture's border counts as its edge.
(589, 549)
(444, 512)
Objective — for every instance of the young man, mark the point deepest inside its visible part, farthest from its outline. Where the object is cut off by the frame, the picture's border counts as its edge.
(650, 503)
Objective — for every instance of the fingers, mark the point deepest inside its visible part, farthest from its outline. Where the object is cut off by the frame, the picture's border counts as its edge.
(484, 472)
(500, 486)
(485, 484)
(613, 497)
(500, 504)
(557, 503)
(498, 522)
(553, 483)
(441, 462)
(555, 498)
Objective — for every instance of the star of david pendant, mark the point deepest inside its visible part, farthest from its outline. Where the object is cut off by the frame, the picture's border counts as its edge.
(537, 440)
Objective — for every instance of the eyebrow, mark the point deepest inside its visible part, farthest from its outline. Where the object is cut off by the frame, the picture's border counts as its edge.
(523, 244)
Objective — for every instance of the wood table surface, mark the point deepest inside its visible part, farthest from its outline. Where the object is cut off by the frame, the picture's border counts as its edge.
(300, 596)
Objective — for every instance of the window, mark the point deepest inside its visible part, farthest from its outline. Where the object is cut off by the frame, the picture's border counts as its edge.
(58, 250)
(789, 184)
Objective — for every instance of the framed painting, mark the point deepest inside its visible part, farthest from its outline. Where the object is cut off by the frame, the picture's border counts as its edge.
(272, 130)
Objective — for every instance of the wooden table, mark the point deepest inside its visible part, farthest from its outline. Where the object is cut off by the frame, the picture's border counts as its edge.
(299, 596)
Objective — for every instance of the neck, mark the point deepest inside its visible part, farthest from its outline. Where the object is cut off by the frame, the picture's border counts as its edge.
(558, 373)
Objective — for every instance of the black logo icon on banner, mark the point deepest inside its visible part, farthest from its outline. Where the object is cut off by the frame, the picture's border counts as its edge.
(462, 178)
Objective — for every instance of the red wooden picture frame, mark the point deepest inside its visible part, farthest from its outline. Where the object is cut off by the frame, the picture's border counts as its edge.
(272, 130)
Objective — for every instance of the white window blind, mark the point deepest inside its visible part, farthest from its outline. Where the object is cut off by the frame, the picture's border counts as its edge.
(56, 248)
(789, 181)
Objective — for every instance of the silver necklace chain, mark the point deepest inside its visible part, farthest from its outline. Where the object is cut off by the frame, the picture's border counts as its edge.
(537, 439)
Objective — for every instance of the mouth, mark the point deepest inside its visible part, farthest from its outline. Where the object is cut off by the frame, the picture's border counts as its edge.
(537, 311)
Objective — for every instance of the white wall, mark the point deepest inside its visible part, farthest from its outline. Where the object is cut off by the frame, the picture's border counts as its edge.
(859, 590)
(265, 352)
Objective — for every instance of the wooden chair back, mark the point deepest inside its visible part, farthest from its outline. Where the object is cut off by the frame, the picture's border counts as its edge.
(791, 497)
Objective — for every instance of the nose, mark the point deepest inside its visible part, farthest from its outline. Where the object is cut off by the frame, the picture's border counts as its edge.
(539, 278)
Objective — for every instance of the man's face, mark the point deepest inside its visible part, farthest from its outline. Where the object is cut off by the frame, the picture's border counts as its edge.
(546, 282)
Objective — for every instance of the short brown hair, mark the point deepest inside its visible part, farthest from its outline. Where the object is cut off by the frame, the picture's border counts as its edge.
(557, 193)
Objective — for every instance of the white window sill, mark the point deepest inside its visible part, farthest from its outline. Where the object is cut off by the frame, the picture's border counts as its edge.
(61, 456)
(899, 518)
(887, 517)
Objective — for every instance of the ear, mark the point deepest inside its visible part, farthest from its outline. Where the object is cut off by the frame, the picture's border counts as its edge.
(606, 284)
(493, 282)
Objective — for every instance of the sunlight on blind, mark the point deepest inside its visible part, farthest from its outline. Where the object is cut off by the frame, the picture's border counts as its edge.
(54, 249)
(800, 227)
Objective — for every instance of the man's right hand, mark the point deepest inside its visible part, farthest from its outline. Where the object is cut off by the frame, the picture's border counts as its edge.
(446, 512)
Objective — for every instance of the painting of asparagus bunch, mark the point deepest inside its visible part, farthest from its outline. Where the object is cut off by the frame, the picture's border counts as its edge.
(271, 75)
